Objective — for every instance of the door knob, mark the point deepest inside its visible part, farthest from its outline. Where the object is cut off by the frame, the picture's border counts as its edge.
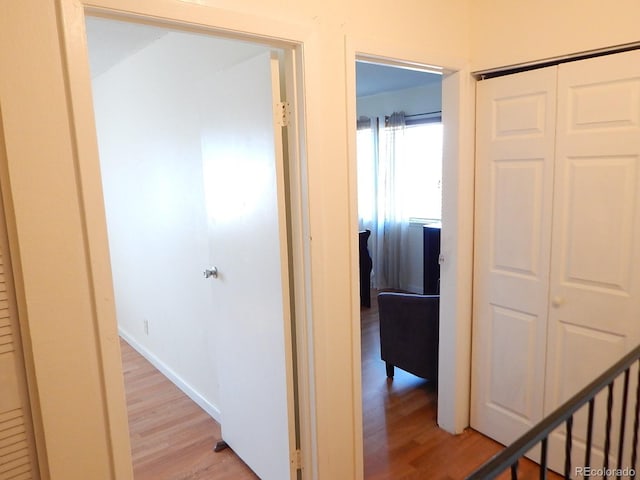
(557, 301)
(211, 272)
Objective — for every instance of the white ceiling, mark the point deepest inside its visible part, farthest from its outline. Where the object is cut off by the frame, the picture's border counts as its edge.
(372, 78)
(112, 41)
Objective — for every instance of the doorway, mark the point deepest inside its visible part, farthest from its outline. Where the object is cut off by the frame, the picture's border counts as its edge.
(399, 165)
(193, 178)
(399, 156)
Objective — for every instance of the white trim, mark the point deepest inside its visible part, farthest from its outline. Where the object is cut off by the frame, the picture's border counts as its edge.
(393, 62)
(415, 288)
(356, 342)
(456, 269)
(419, 222)
(194, 17)
(191, 16)
(457, 219)
(300, 256)
(545, 62)
(176, 379)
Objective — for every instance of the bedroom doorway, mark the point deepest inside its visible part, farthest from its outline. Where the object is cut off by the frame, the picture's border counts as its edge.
(184, 190)
(399, 170)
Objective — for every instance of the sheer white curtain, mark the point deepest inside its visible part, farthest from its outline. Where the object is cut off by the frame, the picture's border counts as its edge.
(367, 152)
(381, 199)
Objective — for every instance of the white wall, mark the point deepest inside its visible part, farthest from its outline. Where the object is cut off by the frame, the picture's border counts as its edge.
(149, 114)
(424, 99)
(505, 32)
(50, 170)
(57, 227)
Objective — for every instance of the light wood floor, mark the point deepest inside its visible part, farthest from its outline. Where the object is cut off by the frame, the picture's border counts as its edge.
(172, 438)
(401, 438)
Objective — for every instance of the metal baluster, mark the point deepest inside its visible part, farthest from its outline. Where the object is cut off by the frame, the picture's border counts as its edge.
(587, 454)
(543, 458)
(623, 420)
(607, 440)
(636, 423)
(567, 449)
(514, 471)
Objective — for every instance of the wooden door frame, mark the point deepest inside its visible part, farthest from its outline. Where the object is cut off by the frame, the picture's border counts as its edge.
(221, 24)
(458, 106)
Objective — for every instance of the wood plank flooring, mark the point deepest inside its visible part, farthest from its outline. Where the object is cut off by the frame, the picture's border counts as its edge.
(401, 438)
(172, 438)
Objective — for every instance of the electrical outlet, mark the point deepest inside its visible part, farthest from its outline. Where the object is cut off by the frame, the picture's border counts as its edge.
(146, 327)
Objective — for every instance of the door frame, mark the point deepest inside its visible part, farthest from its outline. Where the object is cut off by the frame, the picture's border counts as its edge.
(221, 24)
(458, 112)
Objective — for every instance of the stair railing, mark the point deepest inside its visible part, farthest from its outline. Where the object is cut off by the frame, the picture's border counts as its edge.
(539, 434)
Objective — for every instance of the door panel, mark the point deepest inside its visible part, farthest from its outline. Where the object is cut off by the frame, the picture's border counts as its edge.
(520, 327)
(594, 277)
(244, 182)
(514, 174)
(517, 221)
(580, 250)
(613, 179)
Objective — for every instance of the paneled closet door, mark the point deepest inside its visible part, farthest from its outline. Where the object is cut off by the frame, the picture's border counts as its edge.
(514, 183)
(594, 316)
(17, 451)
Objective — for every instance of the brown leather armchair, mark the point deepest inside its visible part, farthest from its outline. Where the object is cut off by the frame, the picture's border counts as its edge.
(409, 329)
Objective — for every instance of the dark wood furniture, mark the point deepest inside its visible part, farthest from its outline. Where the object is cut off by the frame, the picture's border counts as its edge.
(366, 265)
(431, 264)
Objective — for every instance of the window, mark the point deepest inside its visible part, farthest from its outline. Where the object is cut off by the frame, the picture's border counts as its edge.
(367, 168)
(420, 148)
(423, 154)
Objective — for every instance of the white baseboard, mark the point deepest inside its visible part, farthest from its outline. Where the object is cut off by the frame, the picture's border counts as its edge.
(189, 391)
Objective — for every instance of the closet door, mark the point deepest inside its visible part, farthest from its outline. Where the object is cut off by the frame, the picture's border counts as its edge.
(594, 317)
(514, 180)
(17, 451)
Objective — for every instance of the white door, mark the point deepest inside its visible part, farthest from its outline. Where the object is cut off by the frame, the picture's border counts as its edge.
(514, 180)
(557, 284)
(594, 317)
(244, 182)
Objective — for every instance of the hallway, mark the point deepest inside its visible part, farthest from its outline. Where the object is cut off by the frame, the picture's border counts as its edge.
(172, 438)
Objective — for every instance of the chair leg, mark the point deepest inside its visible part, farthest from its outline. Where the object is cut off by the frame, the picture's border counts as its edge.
(389, 370)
